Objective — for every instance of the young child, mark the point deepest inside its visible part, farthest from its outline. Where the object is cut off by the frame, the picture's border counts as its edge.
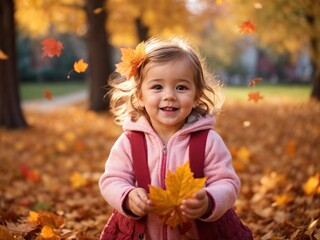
(165, 92)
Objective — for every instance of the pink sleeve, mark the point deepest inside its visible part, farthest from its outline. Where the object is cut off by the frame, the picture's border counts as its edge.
(223, 184)
(118, 178)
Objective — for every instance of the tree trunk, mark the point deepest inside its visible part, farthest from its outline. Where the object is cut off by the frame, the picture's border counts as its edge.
(142, 30)
(100, 56)
(315, 55)
(10, 111)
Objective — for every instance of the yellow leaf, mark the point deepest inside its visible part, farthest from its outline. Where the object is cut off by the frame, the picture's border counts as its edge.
(283, 199)
(80, 66)
(3, 56)
(179, 185)
(47, 232)
(243, 154)
(33, 217)
(312, 186)
(77, 180)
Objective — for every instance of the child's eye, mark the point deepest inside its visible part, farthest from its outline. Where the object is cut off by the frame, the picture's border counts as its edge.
(181, 88)
(156, 87)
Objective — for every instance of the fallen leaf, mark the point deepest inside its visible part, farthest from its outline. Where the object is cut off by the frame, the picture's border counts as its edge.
(312, 186)
(51, 47)
(179, 185)
(77, 180)
(47, 232)
(80, 66)
(29, 174)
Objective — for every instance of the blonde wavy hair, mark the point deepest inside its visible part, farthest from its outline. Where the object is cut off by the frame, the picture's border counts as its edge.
(124, 92)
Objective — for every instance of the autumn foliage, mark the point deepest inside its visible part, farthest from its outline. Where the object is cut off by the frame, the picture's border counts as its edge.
(49, 173)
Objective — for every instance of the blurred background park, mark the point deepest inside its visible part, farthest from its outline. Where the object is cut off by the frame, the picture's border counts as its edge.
(51, 160)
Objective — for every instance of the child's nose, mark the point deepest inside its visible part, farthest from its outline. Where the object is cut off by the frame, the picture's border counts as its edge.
(169, 94)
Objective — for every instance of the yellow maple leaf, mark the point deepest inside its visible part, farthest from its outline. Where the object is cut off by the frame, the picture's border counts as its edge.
(179, 185)
(312, 186)
(80, 66)
(47, 232)
(131, 60)
(77, 180)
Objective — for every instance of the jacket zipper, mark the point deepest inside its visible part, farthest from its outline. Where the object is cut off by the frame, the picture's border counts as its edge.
(163, 185)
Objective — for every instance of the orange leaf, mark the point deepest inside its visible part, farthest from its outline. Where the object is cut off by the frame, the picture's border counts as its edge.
(3, 56)
(179, 185)
(247, 27)
(254, 81)
(47, 94)
(254, 96)
(131, 60)
(51, 47)
(80, 66)
(29, 174)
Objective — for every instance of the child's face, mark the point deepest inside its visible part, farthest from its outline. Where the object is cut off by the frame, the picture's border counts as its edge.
(168, 94)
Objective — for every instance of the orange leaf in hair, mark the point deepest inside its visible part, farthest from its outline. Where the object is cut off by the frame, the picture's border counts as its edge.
(131, 60)
(80, 66)
(254, 96)
(254, 81)
(247, 27)
(51, 47)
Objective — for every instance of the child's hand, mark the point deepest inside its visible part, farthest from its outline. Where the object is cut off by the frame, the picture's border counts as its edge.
(138, 203)
(196, 206)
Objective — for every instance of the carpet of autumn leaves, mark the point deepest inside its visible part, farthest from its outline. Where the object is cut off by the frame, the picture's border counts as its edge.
(49, 172)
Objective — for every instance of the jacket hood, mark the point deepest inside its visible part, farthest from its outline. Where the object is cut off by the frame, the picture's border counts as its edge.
(143, 125)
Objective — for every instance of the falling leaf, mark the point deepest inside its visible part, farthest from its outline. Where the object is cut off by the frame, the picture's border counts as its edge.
(254, 96)
(131, 60)
(3, 56)
(77, 180)
(47, 232)
(51, 47)
(254, 81)
(247, 27)
(179, 185)
(312, 186)
(80, 66)
(47, 94)
(97, 10)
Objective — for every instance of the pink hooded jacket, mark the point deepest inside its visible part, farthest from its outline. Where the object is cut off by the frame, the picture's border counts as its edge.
(118, 179)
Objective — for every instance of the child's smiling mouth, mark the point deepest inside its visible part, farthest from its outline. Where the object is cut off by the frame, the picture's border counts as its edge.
(169, 109)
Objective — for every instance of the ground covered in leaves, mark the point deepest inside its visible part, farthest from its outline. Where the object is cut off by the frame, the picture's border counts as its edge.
(49, 172)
